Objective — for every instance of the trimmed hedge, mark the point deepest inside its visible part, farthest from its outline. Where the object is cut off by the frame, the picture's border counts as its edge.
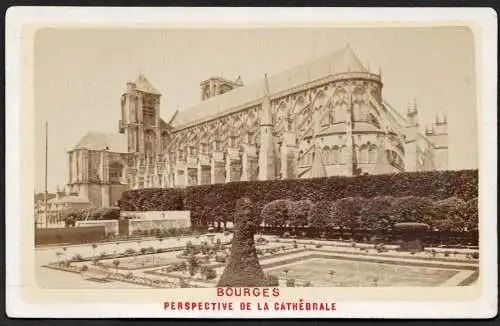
(151, 199)
(217, 202)
(70, 216)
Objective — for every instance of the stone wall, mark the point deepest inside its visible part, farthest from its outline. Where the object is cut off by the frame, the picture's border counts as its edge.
(111, 226)
(163, 220)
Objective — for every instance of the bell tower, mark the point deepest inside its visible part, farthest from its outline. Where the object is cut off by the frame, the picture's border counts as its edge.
(217, 86)
(141, 117)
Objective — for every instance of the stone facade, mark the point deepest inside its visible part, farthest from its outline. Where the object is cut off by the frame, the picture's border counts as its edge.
(328, 120)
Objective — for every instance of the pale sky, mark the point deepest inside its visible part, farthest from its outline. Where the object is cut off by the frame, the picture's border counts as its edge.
(80, 75)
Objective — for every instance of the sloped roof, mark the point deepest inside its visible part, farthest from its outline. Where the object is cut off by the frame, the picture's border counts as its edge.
(343, 60)
(97, 141)
(142, 84)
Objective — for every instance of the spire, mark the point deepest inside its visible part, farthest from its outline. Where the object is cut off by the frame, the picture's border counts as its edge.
(445, 120)
(266, 104)
(368, 66)
(437, 118)
(380, 71)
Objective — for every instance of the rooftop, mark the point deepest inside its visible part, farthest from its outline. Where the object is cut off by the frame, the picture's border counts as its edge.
(343, 60)
(98, 141)
(142, 84)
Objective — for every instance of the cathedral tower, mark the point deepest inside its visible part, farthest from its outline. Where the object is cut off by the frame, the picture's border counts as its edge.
(140, 117)
(217, 86)
(411, 134)
(438, 135)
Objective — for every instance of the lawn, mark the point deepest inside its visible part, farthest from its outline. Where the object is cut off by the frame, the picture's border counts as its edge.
(351, 273)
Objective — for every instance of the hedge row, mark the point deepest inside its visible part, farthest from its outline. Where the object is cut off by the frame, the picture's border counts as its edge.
(156, 199)
(217, 202)
(70, 216)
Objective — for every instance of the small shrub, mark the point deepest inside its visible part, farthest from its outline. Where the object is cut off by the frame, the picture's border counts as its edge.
(290, 283)
(272, 280)
(84, 268)
(307, 284)
(475, 255)
(227, 233)
(220, 258)
(210, 273)
(286, 235)
(446, 253)
(318, 245)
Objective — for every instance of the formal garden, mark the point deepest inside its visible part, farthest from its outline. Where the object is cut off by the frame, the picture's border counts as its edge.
(407, 229)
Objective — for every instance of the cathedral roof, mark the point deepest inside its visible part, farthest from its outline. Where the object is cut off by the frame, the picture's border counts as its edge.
(142, 84)
(343, 60)
(98, 141)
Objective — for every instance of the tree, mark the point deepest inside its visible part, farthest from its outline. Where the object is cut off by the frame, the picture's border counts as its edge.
(58, 256)
(94, 246)
(300, 212)
(243, 268)
(322, 215)
(349, 212)
(193, 265)
(276, 213)
(116, 262)
(376, 213)
(471, 215)
(412, 209)
(449, 214)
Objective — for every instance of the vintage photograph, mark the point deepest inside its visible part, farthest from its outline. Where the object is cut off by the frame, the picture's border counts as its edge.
(299, 157)
(222, 163)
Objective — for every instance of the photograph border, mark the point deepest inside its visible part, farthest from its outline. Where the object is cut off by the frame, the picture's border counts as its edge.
(25, 299)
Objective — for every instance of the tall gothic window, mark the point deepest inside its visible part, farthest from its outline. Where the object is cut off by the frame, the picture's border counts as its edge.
(164, 140)
(204, 148)
(363, 154)
(149, 145)
(115, 172)
(335, 155)
(372, 154)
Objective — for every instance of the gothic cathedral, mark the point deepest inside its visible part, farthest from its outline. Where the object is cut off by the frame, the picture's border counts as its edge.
(323, 118)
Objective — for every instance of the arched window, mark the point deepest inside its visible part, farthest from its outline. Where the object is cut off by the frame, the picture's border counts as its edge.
(326, 155)
(335, 155)
(164, 140)
(372, 154)
(363, 154)
(115, 172)
(342, 155)
(149, 144)
(356, 107)
(301, 158)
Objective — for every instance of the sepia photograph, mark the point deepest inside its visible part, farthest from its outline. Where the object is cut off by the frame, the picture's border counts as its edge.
(236, 158)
